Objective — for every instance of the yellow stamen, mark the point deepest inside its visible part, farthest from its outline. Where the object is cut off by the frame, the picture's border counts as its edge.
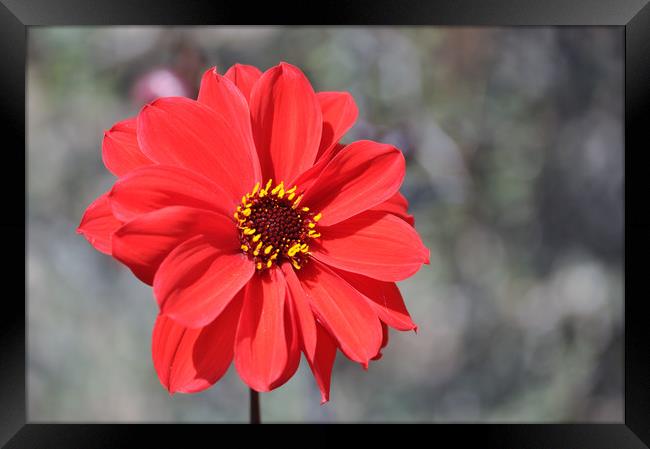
(291, 246)
(277, 188)
(293, 250)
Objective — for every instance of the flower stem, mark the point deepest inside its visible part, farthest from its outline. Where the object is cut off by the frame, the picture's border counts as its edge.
(255, 407)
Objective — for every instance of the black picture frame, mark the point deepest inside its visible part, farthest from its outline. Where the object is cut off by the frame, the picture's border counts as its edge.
(632, 16)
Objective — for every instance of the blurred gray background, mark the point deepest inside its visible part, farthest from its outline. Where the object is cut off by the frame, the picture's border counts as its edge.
(514, 143)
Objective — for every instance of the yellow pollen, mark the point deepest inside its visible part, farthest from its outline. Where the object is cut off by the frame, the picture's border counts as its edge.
(317, 216)
(274, 227)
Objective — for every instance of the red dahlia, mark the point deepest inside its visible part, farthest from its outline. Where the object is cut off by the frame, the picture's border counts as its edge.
(262, 236)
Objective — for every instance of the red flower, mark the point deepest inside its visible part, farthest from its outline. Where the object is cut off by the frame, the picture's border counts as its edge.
(262, 236)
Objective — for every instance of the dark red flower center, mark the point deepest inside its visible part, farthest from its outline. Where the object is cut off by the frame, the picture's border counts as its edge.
(274, 227)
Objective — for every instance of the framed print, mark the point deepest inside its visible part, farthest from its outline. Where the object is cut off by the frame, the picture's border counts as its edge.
(388, 213)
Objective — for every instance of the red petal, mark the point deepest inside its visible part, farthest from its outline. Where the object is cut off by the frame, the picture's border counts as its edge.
(198, 279)
(302, 311)
(309, 176)
(384, 297)
(261, 346)
(98, 224)
(151, 188)
(222, 95)
(293, 341)
(191, 360)
(343, 311)
(244, 77)
(375, 244)
(287, 122)
(339, 114)
(120, 150)
(384, 341)
(321, 365)
(143, 243)
(396, 205)
(185, 133)
(362, 175)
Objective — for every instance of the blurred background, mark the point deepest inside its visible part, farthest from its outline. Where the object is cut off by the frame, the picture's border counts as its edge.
(514, 146)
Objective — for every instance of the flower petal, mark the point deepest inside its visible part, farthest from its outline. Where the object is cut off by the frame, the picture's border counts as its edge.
(222, 95)
(143, 243)
(120, 150)
(191, 360)
(98, 224)
(293, 340)
(384, 297)
(340, 112)
(287, 122)
(375, 244)
(323, 361)
(396, 205)
(301, 311)
(148, 189)
(305, 180)
(244, 76)
(185, 133)
(362, 175)
(384, 341)
(198, 279)
(261, 347)
(343, 311)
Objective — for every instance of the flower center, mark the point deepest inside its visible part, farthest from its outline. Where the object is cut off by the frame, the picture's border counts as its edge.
(273, 227)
